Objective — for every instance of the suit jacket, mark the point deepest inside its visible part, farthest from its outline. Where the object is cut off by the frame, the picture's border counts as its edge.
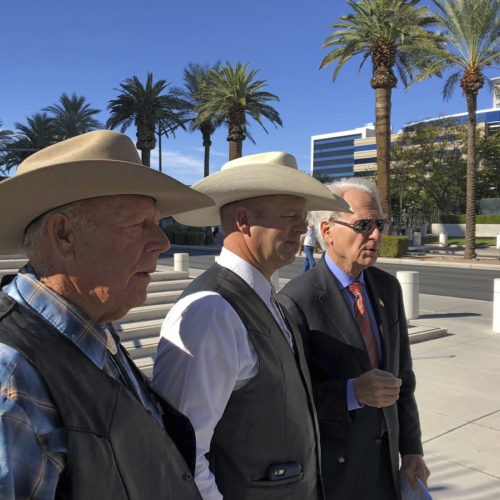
(335, 352)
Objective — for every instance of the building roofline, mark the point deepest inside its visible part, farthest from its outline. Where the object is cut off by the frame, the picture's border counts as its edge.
(444, 117)
(359, 130)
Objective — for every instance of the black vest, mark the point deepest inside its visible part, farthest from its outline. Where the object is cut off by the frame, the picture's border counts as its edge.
(271, 420)
(116, 450)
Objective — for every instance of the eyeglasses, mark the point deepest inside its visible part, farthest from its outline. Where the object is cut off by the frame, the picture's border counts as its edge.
(365, 226)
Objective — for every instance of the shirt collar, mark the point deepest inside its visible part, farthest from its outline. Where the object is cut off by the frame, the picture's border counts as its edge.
(343, 278)
(68, 319)
(248, 273)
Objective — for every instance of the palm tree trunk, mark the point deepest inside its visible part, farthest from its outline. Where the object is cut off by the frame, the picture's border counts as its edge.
(470, 208)
(146, 157)
(383, 141)
(206, 162)
(235, 149)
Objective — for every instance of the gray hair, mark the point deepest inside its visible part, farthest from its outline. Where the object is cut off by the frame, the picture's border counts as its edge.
(77, 212)
(339, 188)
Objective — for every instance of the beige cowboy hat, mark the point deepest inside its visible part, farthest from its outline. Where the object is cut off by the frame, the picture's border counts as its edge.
(263, 174)
(98, 163)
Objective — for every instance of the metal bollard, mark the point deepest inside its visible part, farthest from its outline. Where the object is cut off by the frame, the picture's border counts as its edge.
(181, 262)
(496, 305)
(409, 281)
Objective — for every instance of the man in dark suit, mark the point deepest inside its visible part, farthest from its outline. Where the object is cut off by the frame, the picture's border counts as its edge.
(357, 347)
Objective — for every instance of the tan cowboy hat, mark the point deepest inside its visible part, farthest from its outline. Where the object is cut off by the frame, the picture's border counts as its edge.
(263, 174)
(98, 163)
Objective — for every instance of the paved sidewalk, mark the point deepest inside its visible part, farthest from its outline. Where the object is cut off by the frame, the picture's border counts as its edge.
(458, 394)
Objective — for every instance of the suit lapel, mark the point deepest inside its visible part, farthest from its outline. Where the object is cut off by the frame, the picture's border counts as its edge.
(378, 307)
(338, 318)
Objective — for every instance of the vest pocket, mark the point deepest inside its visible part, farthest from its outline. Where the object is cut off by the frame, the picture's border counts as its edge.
(267, 483)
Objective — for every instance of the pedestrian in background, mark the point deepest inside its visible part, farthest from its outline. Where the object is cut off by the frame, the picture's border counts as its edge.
(308, 242)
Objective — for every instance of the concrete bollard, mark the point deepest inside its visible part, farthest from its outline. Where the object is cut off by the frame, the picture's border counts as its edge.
(443, 239)
(496, 305)
(409, 281)
(498, 241)
(417, 239)
(181, 262)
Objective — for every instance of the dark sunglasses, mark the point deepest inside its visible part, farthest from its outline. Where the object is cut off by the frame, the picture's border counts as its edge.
(364, 226)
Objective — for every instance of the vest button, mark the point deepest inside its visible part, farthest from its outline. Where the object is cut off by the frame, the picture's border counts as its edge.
(188, 476)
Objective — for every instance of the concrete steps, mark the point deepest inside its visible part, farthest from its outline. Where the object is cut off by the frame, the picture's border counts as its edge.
(140, 328)
(10, 264)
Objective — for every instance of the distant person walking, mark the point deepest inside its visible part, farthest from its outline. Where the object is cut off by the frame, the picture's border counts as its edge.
(308, 241)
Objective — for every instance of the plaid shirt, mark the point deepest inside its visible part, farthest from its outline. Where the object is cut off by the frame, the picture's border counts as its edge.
(32, 439)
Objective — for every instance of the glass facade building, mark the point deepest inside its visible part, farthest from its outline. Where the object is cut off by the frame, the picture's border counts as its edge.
(354, 152)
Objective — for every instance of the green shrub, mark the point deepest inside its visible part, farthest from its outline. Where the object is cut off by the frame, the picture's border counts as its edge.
(394, 246)
(185, 235)
(460, 219)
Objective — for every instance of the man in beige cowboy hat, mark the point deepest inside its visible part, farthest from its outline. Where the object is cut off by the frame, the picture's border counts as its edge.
(78, 419)
(227, 356)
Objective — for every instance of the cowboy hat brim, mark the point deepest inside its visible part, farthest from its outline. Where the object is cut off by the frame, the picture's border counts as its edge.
(254, 180)
(26, 196)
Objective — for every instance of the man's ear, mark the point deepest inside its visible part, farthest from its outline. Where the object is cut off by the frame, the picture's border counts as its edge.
(62, 237)
(326, 228)
(242, 220)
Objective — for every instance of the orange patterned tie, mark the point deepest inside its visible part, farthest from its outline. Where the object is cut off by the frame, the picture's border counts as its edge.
(362, 319)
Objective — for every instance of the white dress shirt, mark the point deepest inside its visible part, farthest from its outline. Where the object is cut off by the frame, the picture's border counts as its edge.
(204, 354)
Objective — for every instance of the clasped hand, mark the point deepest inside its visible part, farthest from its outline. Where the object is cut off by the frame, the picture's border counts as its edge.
(377, 388)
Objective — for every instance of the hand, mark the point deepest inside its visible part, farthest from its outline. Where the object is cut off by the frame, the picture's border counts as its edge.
(414, 466)
(377, 388)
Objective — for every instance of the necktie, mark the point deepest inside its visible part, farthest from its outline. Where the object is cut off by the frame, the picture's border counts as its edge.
(362, 319)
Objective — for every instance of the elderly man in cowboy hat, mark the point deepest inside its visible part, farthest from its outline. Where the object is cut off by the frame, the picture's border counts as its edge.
(78, 420)
(228, 357)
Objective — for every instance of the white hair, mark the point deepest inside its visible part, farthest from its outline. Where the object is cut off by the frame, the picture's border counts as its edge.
(339, 188)
(78, 213)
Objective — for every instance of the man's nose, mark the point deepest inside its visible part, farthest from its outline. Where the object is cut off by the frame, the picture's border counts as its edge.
(160, 239)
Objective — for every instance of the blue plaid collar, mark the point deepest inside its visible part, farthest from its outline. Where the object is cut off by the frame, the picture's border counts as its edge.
(84, 332)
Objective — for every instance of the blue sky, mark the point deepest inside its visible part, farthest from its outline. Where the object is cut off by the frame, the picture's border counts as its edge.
(90, 47)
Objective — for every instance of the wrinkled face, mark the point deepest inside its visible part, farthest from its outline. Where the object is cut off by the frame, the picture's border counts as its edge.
(276, 223)
(350, 250)
(113, 263)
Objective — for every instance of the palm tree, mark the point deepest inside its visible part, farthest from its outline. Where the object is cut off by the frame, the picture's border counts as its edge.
(5, 138)
(72, 116)
(38, 133)
(195, 80)
(471, 30)
(388, 32)
(145, 106)
(230, 95)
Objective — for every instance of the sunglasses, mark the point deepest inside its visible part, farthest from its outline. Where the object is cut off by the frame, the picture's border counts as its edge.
(364, 226)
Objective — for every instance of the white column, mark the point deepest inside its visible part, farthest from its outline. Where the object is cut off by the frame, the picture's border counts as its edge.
(181, 262)
(410, 285)
(496, 305)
